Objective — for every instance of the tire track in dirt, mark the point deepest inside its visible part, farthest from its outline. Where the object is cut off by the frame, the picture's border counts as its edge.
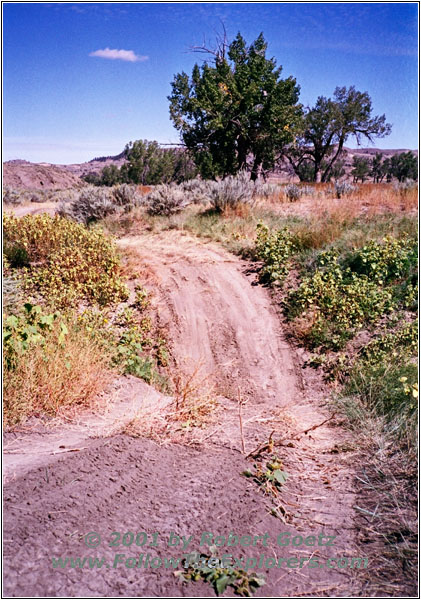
(214, 315)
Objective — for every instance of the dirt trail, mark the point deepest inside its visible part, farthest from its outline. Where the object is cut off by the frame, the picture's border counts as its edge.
(21, 210)
(215, 315)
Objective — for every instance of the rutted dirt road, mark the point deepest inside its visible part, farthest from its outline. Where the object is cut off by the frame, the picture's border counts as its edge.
(217, 317)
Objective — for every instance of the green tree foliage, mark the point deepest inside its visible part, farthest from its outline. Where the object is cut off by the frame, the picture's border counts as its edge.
(147, 164)
(404, 166)
(110, 176)
(235, 112)
(328, 125)
(377, 171)
(361, 168)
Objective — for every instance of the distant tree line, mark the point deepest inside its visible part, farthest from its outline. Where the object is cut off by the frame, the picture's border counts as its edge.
(147, 164)
(402, 166)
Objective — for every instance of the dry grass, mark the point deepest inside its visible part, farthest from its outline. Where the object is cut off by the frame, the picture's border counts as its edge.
(194, 396)
(386, 507)
(239, 210)
(54, 378)
(192, 407)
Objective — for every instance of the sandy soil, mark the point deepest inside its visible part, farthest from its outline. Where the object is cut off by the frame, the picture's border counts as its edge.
(218, 317)
(32, 208)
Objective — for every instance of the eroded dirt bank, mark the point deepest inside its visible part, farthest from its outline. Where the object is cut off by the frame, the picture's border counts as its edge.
(215, 316)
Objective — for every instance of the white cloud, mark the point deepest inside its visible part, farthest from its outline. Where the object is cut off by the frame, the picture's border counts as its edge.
(114, 54)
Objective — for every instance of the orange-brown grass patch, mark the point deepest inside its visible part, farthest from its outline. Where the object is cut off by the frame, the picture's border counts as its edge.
(55, 378)
(367, 199)
(239, 210)
(144, 189)
(378, 198)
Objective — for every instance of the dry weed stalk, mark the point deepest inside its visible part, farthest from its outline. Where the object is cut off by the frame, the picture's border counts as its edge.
(241, 401)
(194, 398)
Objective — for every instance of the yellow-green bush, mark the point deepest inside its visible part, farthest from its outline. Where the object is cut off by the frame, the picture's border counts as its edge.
(62, 261)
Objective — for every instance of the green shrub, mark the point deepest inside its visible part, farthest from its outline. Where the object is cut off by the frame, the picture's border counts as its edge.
(392, 259)
(92, 204)
(65, 263)
(11, 196)
(337, 303)
(126, 196)
(166, 200)
(197, 190)
(274, 249)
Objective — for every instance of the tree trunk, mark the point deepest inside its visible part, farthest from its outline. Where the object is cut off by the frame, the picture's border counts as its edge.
(242, 153)
(256, 168)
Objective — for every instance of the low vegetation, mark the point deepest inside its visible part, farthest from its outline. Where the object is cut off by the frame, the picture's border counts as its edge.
(340, 291)
(340, 260)
(70, 322)
(242, 583)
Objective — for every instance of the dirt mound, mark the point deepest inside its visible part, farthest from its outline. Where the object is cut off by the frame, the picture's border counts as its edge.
(38, 176)
(22, 174)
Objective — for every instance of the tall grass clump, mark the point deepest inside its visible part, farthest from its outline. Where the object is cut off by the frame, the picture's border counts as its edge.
(50, 363)
(292, 192)
(343, 188)
(384, 378)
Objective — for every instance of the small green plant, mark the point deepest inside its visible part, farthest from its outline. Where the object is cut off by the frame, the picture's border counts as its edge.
(22, 331)
(220, 577)
(142, 298)
(270, 479)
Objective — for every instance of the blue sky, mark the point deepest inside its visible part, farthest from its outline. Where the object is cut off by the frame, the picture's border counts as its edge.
(81, 80)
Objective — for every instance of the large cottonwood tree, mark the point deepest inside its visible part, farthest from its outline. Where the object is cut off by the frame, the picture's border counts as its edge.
(235, 112)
